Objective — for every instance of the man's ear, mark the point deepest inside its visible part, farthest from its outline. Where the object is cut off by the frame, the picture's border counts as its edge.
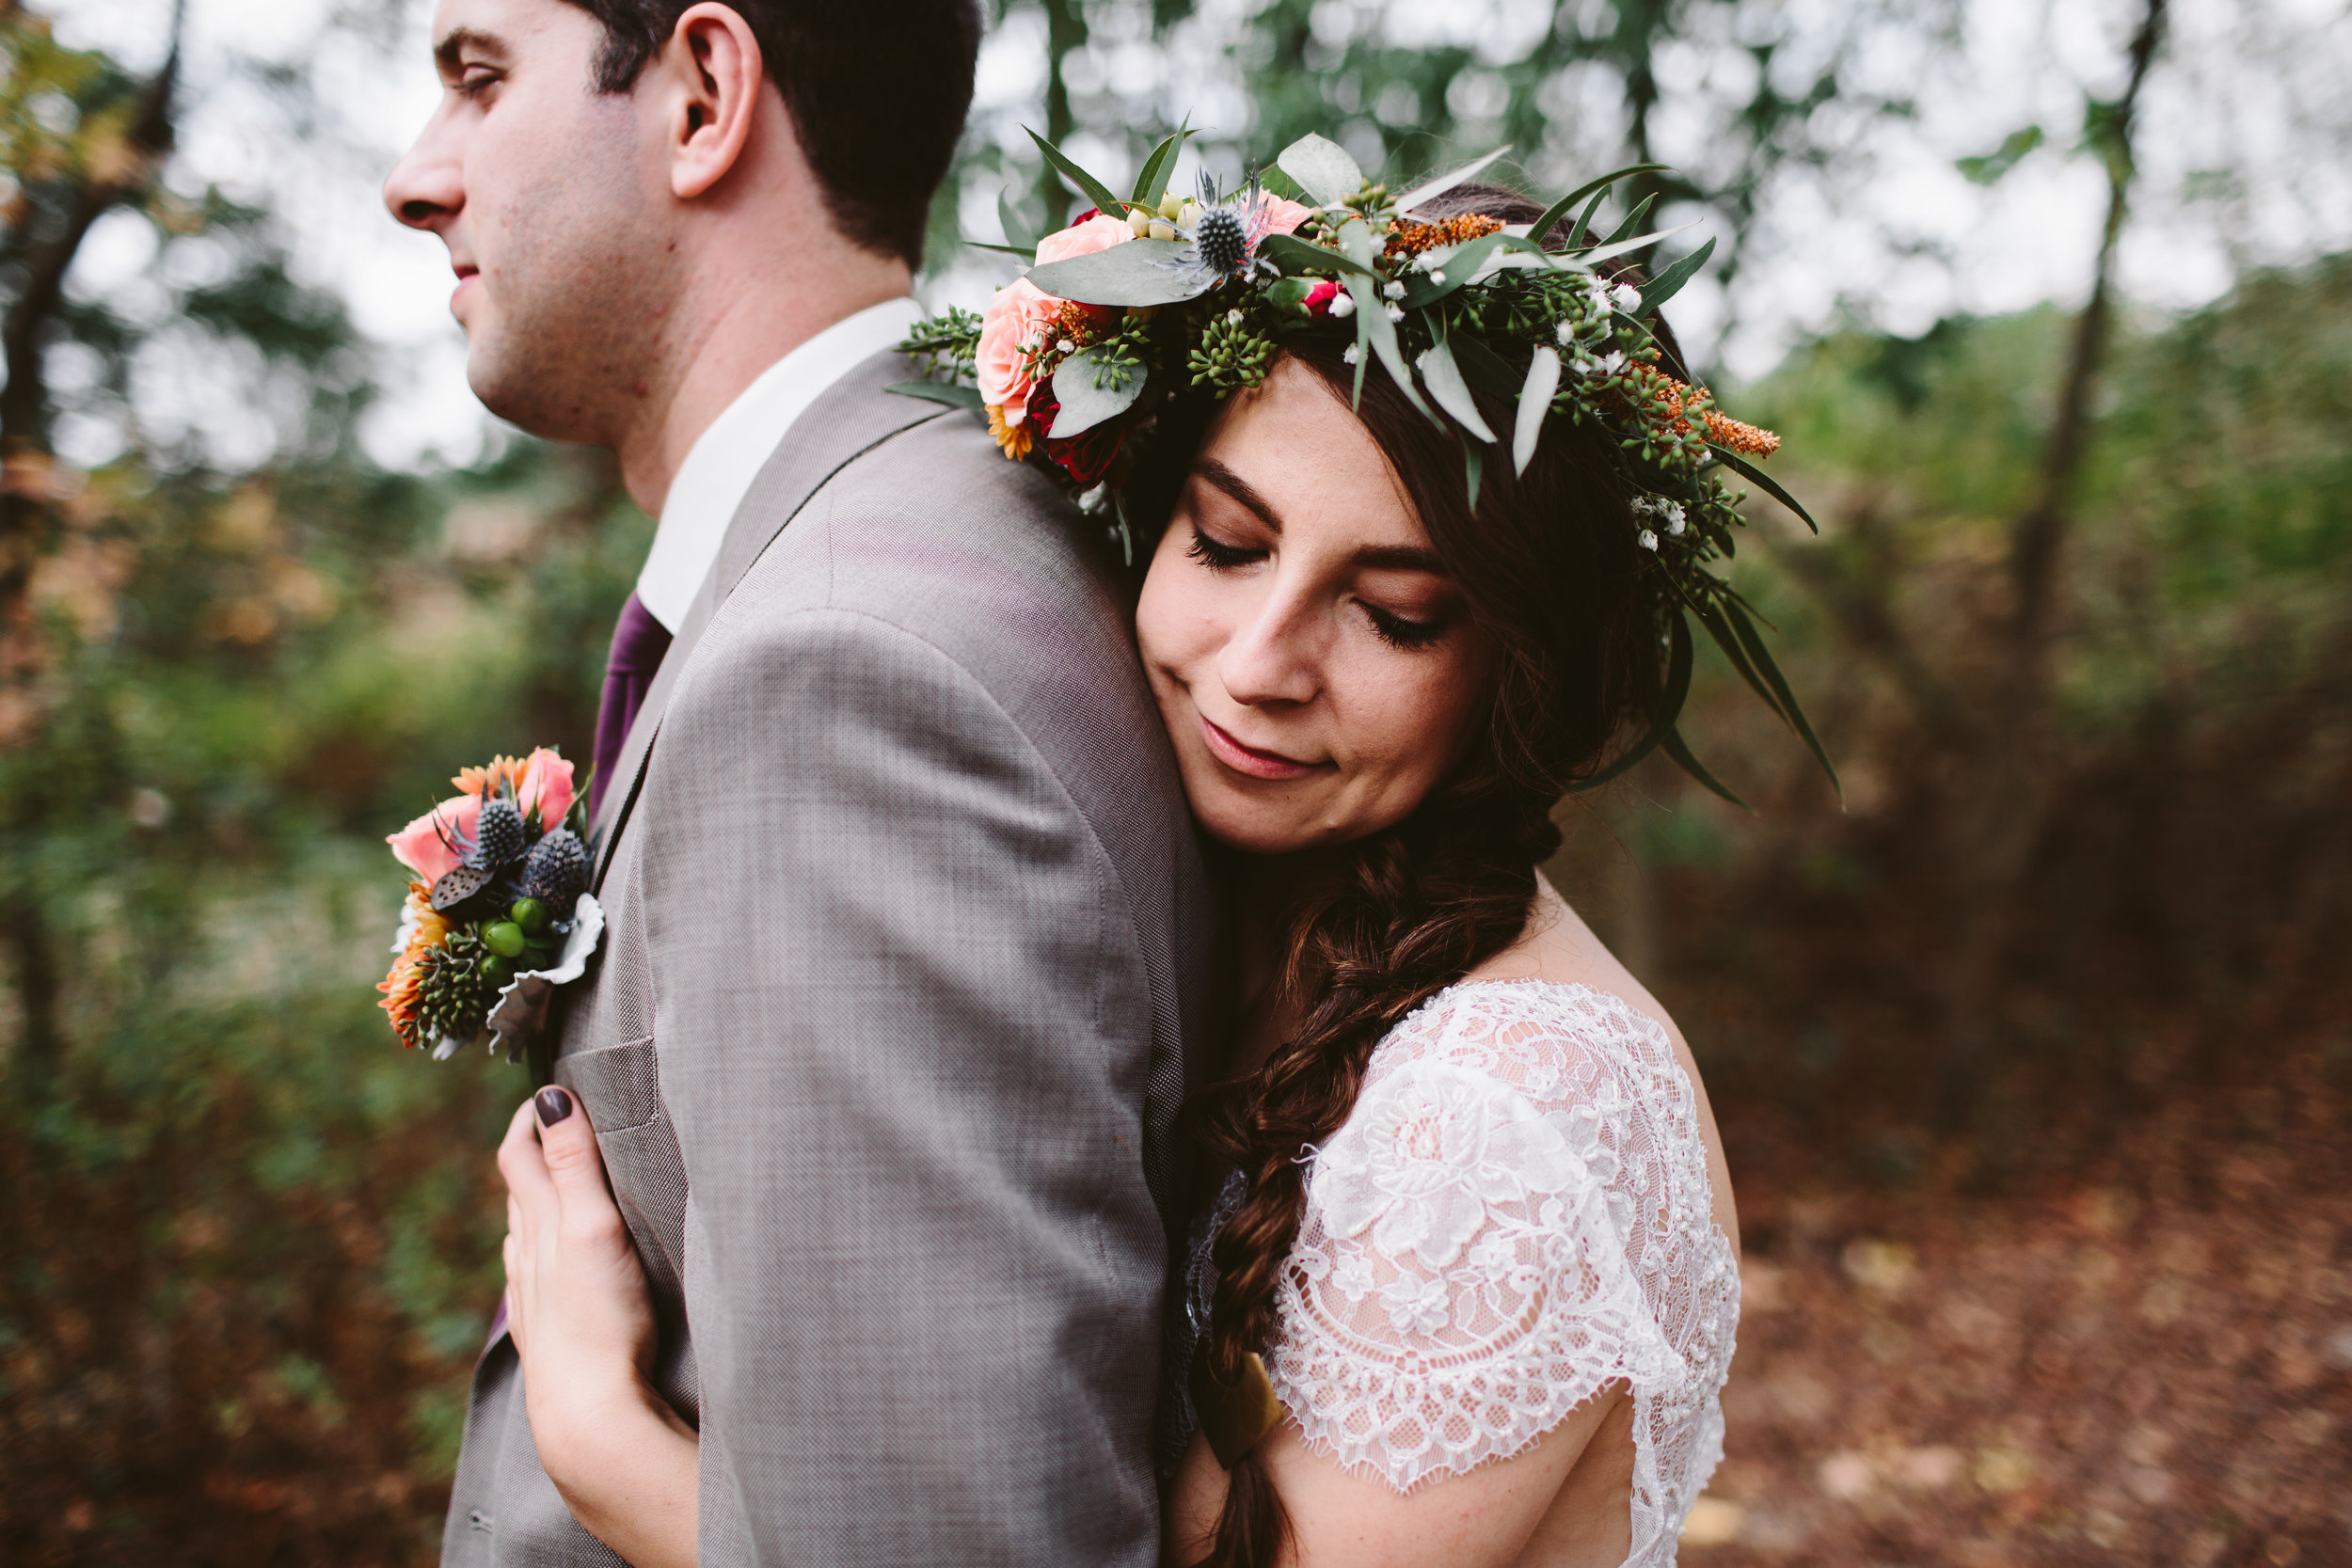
(714, 76)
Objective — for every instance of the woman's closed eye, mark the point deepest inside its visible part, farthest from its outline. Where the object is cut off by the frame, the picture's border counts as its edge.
(1398, 632)
(1219, 556)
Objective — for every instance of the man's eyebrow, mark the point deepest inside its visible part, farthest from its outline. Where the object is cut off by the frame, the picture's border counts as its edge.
(452, 47)
(1239, 489)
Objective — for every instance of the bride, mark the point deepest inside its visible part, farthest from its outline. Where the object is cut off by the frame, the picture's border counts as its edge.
(1467, 1287)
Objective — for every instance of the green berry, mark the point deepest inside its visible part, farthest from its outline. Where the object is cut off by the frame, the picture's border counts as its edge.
(504, 938)
(494, 969)
(530, 914)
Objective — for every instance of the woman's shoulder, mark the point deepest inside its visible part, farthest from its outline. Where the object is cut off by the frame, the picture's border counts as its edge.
(1554, 1041)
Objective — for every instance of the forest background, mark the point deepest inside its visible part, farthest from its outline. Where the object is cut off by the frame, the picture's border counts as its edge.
(2031, 1052)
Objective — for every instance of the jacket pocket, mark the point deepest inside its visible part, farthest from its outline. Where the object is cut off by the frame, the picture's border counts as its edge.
(621, 1085)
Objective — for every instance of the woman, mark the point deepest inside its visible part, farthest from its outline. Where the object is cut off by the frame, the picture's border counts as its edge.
(1467, 1288)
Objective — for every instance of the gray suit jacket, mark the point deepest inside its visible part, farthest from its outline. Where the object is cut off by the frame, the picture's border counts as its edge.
(908, 935)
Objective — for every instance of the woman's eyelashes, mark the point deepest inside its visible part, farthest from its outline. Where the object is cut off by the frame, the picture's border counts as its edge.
(1398, 632)
(1219, 556)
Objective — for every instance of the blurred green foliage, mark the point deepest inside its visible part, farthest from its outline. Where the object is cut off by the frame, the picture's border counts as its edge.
(248, 1246)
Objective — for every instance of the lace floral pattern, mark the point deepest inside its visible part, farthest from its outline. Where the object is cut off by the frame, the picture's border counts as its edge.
(1516, 1215)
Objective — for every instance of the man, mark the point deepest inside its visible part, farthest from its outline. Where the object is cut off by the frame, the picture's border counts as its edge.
(906, 924)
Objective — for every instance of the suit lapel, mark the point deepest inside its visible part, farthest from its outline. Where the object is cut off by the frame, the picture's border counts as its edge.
(851, 417)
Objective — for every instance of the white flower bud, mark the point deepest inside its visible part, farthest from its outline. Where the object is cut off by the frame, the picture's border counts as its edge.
(1648, 541)
(1139, 223)
(1394, 289)
(1564, 334)
(1342, 305)
(1066, 346)
(1437, 276)
(1162, 230)
(1232, 318)
(1350, 354)
(1397, 311)
(1624, 297)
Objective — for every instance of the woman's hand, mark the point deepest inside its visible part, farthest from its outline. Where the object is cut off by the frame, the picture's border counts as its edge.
(583, 1322)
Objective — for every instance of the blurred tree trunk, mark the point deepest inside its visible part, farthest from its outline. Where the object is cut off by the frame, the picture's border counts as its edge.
(1065, 31)
(111, 169)
(1994, 819)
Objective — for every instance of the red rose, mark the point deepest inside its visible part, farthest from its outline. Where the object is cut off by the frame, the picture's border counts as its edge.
(1319, 298)
(1086, 457)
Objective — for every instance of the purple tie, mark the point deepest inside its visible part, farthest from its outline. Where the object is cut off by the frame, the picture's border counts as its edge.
(638, 644)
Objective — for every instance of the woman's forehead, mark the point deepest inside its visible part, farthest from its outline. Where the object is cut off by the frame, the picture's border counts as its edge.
(1294, 442)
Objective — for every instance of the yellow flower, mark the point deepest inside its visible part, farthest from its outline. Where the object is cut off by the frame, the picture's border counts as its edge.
(1014, 438)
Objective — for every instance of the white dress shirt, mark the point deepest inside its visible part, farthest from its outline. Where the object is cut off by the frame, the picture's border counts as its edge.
(728, 456)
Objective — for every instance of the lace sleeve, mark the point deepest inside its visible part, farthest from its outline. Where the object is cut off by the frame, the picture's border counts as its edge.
(1468, 1268)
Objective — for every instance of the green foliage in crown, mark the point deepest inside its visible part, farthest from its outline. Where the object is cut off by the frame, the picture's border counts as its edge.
(1156, 297)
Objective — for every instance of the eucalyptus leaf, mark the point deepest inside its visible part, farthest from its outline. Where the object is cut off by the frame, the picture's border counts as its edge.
(1134, 272)
(1672, 278)
(1634, 219)
(1459, 269)
(1028, 256)
(1728, 641)
(1762, 658)
(1095, 190)
(1295, 255)
(1678, 749)
(1584, 221)
(1748, 471)
(1473, 464)
(1018, 235)
(1616, 248)
(1092, 389)
(1151, 182)
(1543, 380)
(1484, 370)
(1371, 312)
(1322, 169)
(1444, 381)
(1595, 189)
(1443, 182)
(938, 391)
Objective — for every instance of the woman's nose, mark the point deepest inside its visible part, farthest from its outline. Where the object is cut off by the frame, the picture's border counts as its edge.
(1272, 657)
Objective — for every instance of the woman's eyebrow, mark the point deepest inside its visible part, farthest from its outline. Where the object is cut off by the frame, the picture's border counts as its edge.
(1400, 557)
(1239, 489)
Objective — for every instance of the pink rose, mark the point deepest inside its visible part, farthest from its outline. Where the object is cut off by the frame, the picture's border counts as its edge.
(547, 779)
(1011, 326)
(1282, 216)
(1099, 232)
(423, 846)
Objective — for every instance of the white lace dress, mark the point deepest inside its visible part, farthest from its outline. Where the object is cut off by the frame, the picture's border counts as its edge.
(1516, 1214)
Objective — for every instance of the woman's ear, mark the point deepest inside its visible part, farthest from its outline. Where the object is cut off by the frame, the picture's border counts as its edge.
(713, 76)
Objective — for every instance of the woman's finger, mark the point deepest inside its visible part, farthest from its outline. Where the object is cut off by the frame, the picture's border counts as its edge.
(567, 1145)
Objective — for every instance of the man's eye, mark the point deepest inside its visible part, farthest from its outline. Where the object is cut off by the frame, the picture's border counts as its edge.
(474, 79)
(1219, 556)
(1397, 631)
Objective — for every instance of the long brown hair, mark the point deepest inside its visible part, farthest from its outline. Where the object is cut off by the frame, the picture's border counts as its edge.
(1549, 567)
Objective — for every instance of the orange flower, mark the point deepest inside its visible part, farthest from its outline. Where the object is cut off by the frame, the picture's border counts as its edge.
(404, 987)
(1014, 438)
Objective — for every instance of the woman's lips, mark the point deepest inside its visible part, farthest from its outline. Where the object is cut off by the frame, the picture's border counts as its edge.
(1250, 760)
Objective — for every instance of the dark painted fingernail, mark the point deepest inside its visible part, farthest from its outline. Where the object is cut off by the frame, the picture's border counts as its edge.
(554, 1105)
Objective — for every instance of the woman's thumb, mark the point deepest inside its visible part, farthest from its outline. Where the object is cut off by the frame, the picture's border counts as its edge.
(568, 1143)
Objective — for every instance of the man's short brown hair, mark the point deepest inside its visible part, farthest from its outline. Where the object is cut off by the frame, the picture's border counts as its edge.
(877, 90)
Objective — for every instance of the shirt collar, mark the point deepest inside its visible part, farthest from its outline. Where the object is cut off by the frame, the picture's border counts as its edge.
(727, 456)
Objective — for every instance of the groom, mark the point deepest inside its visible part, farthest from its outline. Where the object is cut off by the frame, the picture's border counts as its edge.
(907, 924)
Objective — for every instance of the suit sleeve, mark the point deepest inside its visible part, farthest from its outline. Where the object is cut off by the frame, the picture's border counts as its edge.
(903, 1027)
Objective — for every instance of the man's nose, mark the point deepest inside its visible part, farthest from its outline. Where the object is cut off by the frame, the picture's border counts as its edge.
(427, 187)
(1274, 654)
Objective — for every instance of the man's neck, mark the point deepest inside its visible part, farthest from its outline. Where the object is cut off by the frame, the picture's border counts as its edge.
(759, 316)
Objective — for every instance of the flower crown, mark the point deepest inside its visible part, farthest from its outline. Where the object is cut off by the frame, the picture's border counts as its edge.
(1157, 299)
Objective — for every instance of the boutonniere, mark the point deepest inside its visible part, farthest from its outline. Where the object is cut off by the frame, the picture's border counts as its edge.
(497, 912)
